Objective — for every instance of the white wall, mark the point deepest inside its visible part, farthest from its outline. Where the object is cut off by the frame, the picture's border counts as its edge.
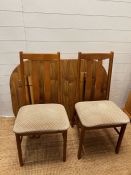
(67, 26)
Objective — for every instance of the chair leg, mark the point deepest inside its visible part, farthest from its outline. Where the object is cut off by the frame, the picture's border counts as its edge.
(18, 141)
(64, 144)
(121, 134)
(82, 134)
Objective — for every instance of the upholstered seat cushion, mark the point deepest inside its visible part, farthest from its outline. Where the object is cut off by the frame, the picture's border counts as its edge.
(100, 113)
(41, 118)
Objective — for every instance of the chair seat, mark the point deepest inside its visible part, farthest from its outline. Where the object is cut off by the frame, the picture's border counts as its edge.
(100, 113)
(41, 118)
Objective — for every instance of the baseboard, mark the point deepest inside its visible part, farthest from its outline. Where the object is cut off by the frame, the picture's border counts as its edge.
(7, 116)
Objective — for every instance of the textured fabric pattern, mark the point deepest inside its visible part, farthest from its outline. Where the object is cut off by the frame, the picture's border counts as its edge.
(41, 118)
(97, 113)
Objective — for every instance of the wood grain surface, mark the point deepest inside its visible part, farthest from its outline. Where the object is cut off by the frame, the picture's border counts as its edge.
(69, 80)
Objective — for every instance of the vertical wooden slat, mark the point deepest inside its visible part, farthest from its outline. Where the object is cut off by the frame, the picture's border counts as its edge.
(89, 80)
(54, 82)
(30, 90)
(82, 86)
(93, 81)
(59, 78)
(109, 75)
(22, 78)
(35, 71)
(99, 81)
(65, 84)
(27, 90)
(47, 82)
(79, 76)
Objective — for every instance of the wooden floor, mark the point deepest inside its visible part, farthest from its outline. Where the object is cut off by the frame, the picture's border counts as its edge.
(44, 156)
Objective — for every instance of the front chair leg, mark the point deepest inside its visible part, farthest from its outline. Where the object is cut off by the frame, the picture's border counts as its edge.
(18, 141)
(82, 133)
(121, 134)
(64, 144)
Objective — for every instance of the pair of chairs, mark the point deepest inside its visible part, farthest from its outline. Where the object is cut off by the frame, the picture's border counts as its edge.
(35, 118)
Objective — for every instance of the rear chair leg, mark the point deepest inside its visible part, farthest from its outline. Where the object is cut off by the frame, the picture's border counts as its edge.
(82, 133)
(121, 134)
(64, 144)
(18, 141)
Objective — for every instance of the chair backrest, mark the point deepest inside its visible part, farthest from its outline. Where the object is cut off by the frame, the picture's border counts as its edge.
(91, 79)
(37, 85)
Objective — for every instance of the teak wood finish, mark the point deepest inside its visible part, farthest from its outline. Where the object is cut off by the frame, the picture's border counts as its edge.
(39, 90)
(37, 85)
(93, 62)
(93, 76)
(68, 78)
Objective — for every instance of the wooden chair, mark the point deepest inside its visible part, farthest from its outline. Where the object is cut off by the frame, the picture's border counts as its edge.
(34, 117)
(127, 108)
(100, 113)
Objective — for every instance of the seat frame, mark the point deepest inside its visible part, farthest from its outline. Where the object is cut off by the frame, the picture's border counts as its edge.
(81, 128)
(38, 57)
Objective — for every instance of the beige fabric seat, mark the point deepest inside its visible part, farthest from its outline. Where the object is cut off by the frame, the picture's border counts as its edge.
(41, 118)
(100, 113)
